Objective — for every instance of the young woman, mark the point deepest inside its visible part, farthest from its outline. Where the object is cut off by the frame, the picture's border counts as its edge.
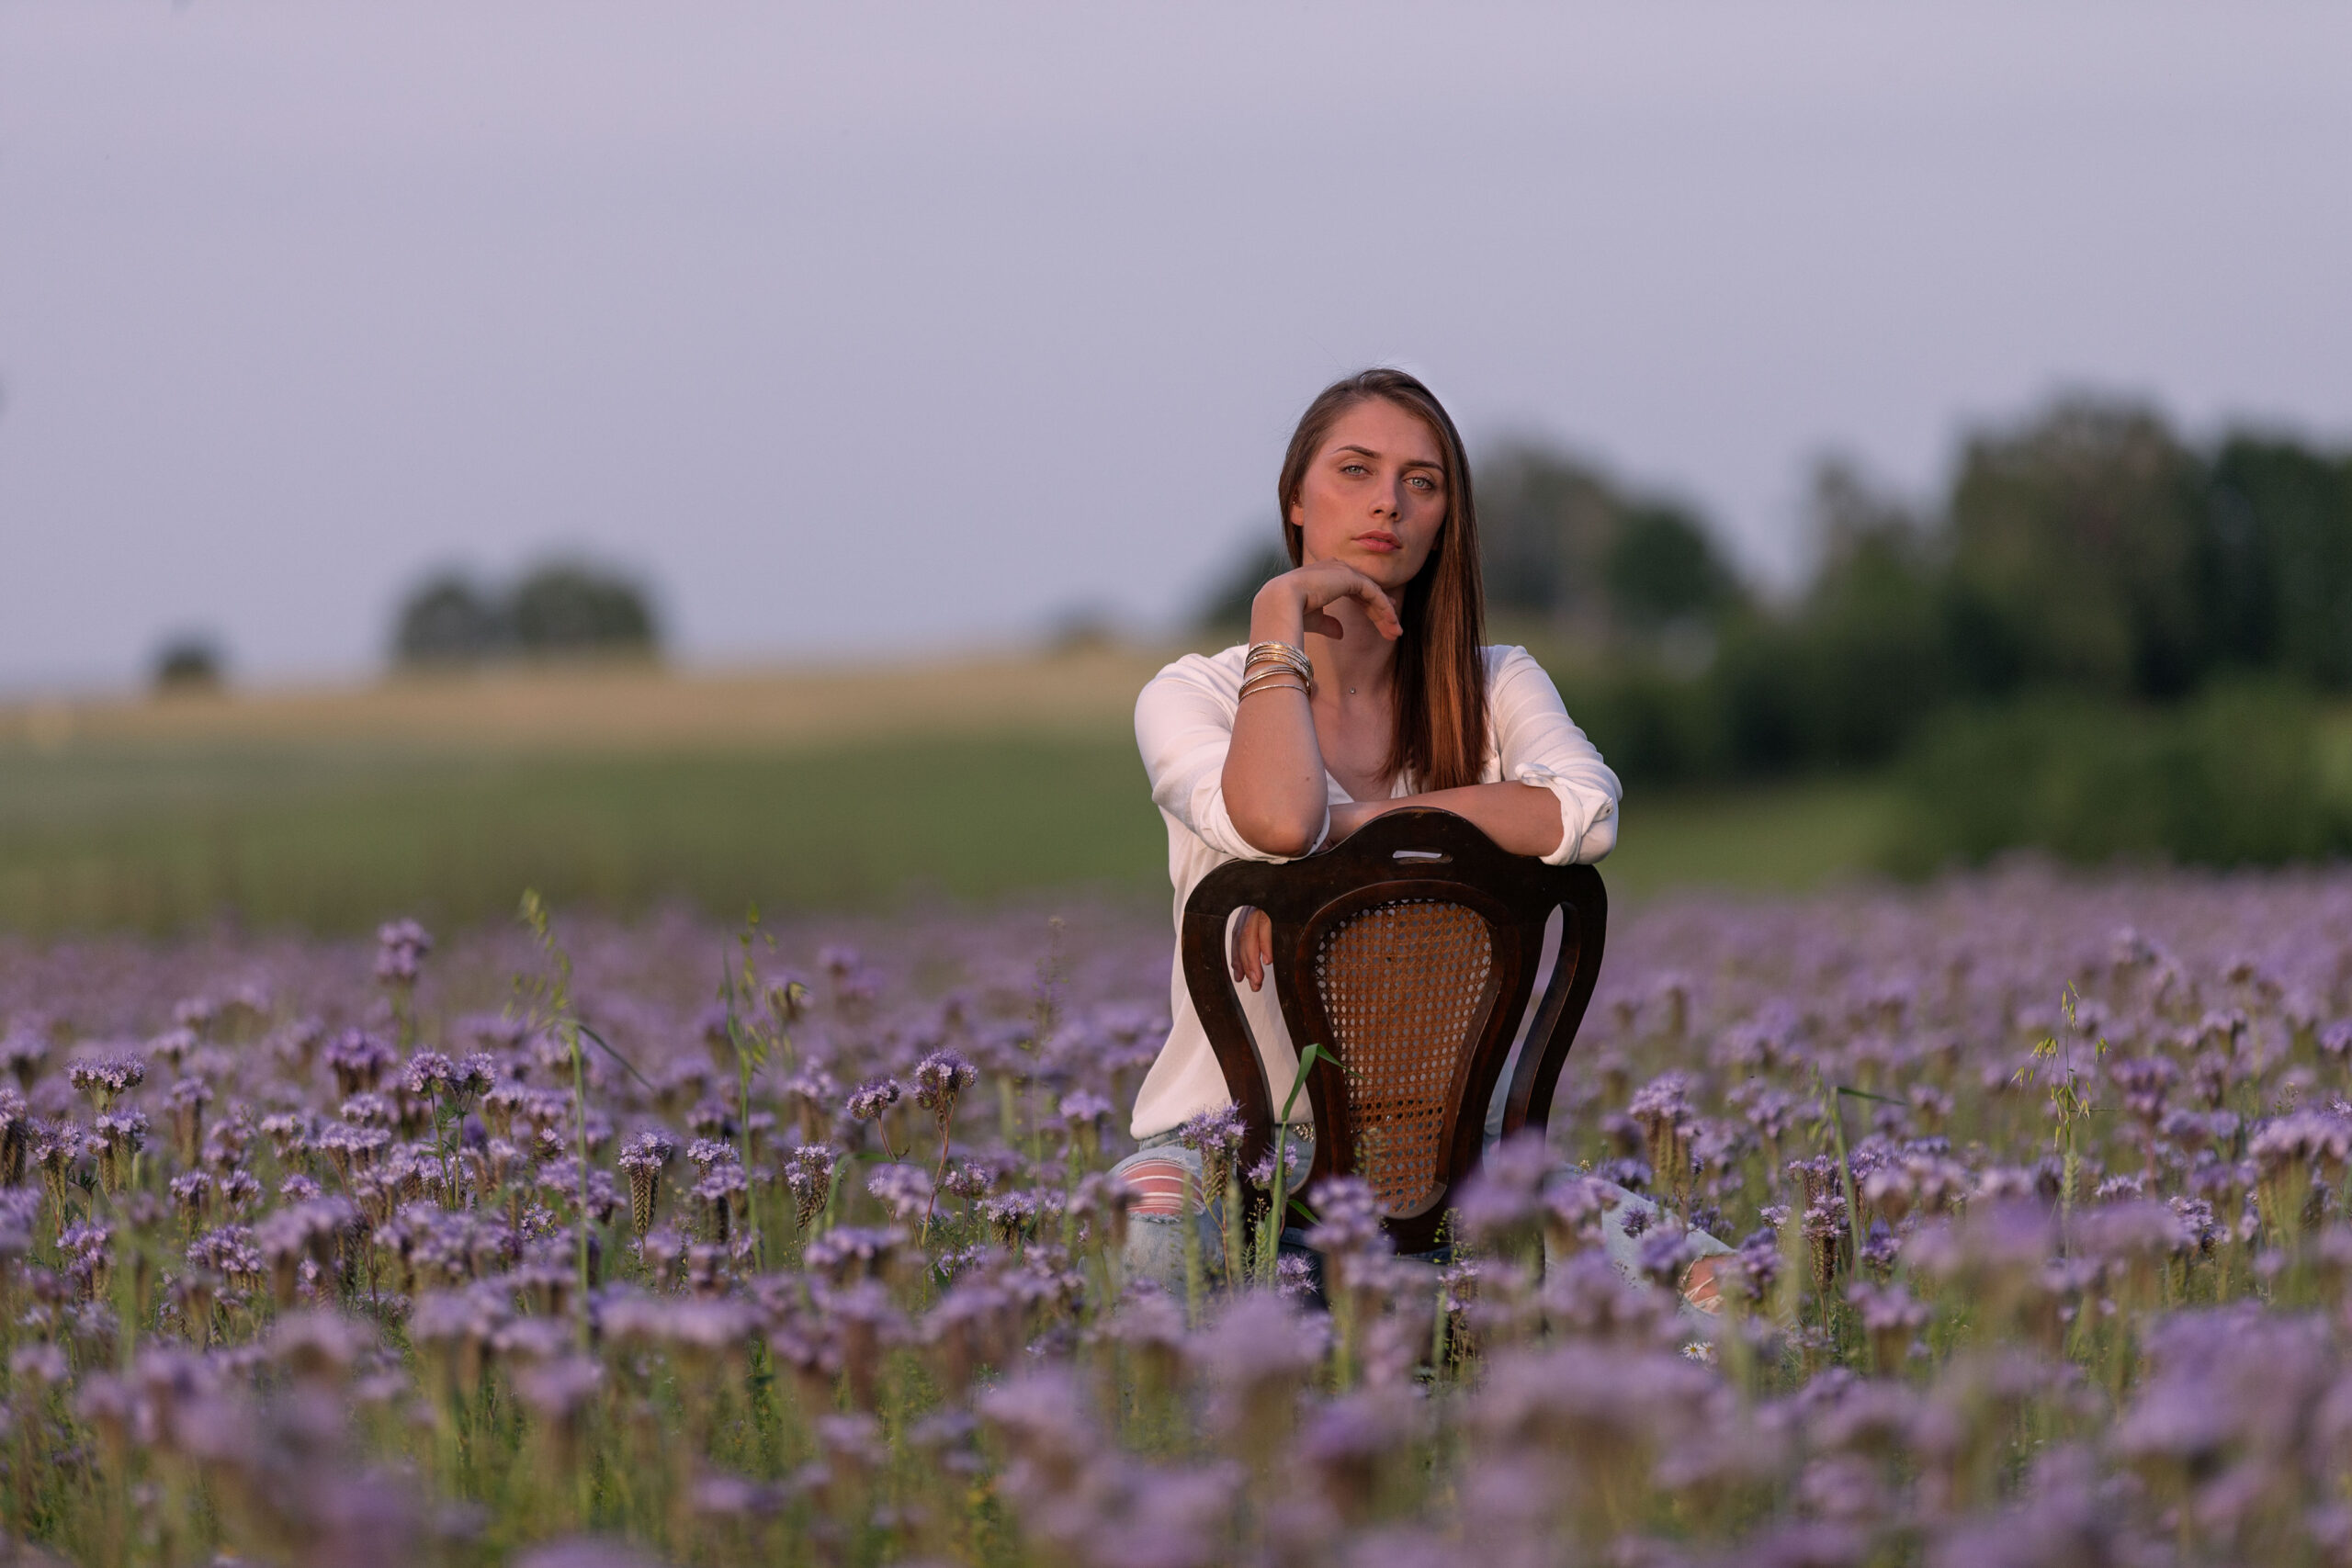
(1365, 686)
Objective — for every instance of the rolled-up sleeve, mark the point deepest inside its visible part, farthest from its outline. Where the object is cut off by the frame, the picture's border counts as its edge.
(1184, 727)
(1537, 743)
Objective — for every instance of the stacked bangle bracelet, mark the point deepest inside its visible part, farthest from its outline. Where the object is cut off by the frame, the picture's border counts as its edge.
(1275, 680)
(1277, 665)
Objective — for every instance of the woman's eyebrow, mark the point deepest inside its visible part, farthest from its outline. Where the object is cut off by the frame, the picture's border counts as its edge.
(1409, 462)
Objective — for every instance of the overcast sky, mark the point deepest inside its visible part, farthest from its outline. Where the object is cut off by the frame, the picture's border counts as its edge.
(892, 327)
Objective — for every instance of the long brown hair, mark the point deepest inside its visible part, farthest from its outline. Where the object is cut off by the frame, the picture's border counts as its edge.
(1439, 739)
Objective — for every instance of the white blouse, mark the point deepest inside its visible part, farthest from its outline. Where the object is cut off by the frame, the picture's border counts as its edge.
(1184, 725)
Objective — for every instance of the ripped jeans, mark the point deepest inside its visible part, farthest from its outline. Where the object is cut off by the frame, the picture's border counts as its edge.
(1163, 1173)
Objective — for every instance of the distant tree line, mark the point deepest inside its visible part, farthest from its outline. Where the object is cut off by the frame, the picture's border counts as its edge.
(557, 609)
(2086, 551)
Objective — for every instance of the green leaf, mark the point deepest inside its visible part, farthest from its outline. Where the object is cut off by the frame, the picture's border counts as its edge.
(626, 1065)
(1307, 1060)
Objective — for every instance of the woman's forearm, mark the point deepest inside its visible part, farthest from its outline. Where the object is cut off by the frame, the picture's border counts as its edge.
(1273, 780)
(1520, 817)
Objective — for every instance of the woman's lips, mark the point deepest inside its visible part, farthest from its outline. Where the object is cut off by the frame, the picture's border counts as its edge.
(1379, 543)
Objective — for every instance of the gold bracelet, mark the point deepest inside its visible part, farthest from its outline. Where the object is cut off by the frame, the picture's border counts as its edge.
(1269, 658)
(1279, 653)
(1250, 682)
(1274, 680)
(1282, 672)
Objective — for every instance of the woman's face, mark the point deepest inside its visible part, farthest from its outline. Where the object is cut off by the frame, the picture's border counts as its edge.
(1374, 495)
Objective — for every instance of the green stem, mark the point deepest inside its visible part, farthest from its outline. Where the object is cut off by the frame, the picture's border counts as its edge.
(580, 1131)
(1229, 1233)
(1193, 1267)
(947, 1134)
(1438, 1335)
(743, 1132)
(1846, 1176)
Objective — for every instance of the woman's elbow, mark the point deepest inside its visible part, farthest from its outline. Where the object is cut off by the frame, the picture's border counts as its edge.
(1284, 836)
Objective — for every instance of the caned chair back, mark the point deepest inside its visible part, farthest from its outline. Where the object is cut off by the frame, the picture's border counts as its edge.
(1409, 952)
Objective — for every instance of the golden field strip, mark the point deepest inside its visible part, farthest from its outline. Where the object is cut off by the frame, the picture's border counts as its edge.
(619, 707)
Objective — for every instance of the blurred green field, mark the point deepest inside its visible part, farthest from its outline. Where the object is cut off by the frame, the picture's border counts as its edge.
(339, 840)
(160, 827)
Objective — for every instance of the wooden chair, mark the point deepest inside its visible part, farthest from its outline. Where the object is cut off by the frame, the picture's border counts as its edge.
(1407, 952)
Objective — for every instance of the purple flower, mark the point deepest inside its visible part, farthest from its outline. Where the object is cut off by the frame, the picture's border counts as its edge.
(808, 1175)
(174, 1046)
(560, 1388)
(429, 1073)
(1663, 1254)
(1012, 1216)
(41, 1363)
(400, 949)
(651, 1150)
(124, 1131)
(904, 1189)
(849, 1252)
(1293, 1166)
(1348, 1232)
(358, 1060)
(710, 1153)
(874, 1098)
(1216, 1135)
(1259, 1354)
(643, 1159)
(1890, 1317)
(2313, 1137)
(107, 1078)
(192, 1191)
(1082, 1106)
(970, 1179)
(1219, 1131)
(1502, 1205)
(1632, 1175)
(940, 1078)
(22, 1052)
(228, 1251)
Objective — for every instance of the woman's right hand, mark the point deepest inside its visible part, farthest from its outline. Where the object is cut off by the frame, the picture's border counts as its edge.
(1292, 604)
(1274, 778)
(1253, 948)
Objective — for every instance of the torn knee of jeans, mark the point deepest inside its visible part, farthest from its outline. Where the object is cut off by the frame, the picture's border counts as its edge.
(1159, 1186)
(1702, 1289)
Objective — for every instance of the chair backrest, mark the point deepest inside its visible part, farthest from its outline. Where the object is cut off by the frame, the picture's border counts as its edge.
(1409, 952)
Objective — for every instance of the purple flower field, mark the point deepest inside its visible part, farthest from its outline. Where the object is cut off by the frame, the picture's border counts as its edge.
(672, 1244)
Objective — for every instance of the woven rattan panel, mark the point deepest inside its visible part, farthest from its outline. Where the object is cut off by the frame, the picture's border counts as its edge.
(1401, 984)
